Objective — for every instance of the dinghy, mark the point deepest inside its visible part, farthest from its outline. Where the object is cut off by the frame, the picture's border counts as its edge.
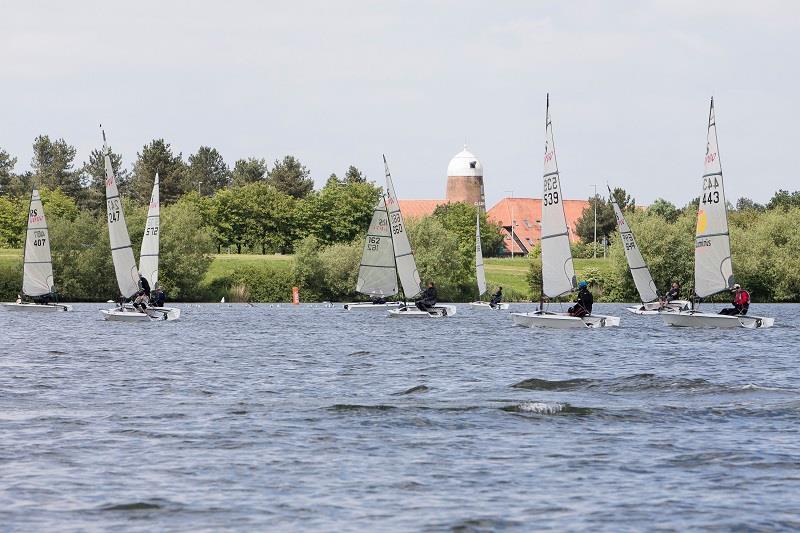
(377, 274)
(652, 303)
(558, 272)
(404, 262)
(480, 273)
(713, 268)
(37, 267)
(122, 256)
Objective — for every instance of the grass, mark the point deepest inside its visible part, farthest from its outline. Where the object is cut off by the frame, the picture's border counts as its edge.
(10, 257)
(512, 273)
(225, 263)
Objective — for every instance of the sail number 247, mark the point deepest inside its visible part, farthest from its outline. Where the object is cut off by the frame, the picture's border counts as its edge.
(550, 190)
(710, 196)
(113, 210)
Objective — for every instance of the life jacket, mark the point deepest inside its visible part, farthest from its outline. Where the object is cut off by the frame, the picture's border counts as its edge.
(742, 298)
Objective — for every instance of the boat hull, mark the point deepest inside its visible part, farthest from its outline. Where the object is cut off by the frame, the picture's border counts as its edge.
(654, 308)
(711, 320)
(439, 311)
(126, 314)
(37, 308)
(485, 305)
(563, 320)
(369, 306)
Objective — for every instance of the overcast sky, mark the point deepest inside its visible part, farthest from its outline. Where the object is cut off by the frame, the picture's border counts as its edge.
(340, 83)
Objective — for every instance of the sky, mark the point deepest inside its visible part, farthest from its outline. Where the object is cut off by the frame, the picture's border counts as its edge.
(340, 83)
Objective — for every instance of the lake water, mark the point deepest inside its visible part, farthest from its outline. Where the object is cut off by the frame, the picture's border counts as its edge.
(260, 417)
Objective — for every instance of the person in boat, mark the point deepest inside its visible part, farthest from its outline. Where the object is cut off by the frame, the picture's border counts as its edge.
(142, 298)
(741, 302)
(583, 303)
(496, 298)
(377, 300)
(19, 299)
(428, 300)
(158, 297)
(674, 292)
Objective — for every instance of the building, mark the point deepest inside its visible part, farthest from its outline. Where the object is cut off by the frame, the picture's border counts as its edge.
(465, 179)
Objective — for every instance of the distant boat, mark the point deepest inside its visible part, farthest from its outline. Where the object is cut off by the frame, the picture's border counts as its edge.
(558, 272)
(713, 268)
(480, 273)
(377, 274)
(122, 256)
(645, 286)
(37, 268)
(404, 260)
(222, 301)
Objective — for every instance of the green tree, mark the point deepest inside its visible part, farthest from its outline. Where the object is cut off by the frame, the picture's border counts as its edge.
(13, 220)
(784, 200)
(57, 204)
(53, 163)
(185, 251)
(208, 169)
(291, 177)
(338, 212)
(155, 157)
(7, 164)
(746, 204)
(440, 259)
(229, 217)
(93, 179)
(353, 175)
(459, 219)
(664, 209)
(249, 170)
(271, 216)
(606, 220)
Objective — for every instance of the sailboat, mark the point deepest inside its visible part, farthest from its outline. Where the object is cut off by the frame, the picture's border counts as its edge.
(558, 272)
(713, 268)
(480, 274)
(122, 256)
(37, 269)
(377, 274)
(645, 286)
(404, 261)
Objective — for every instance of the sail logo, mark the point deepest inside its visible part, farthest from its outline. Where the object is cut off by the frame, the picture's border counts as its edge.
(702, 243)
(702, 222)
(110, 181)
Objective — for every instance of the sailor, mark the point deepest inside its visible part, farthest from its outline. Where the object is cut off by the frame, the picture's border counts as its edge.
(143, 295)
(378, 300)
(19, 299)
(741, 302)
(496, 298)
(583, 303)
(674, 293)
(428, 300)
(158, 297)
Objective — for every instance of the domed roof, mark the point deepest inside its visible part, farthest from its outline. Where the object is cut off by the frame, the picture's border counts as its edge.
(465, 163)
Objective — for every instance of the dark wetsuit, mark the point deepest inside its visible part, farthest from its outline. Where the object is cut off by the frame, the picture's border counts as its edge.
(673, 294)
(428, 299)
(496, 298)
(583, 304)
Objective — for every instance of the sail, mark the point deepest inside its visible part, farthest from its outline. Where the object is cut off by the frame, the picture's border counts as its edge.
(37, 276)
(377, 275)
(121, 251)
(148, 258)
(713, 270)
(404, 257)
(558, 273)
(480, 275)
(641, 274)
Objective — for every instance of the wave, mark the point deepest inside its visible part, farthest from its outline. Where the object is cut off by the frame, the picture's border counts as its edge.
(558, 385)
(547, 408)
(413, 390)
(358, 407)
(134, 506)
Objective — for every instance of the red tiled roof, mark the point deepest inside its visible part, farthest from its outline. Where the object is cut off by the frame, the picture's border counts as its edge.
(527, 213)
(419, 208)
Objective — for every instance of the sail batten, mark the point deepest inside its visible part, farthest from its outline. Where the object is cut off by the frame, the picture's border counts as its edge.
(404, 257)
(121, 250)
(37, 269)
(480, 274)
(377, 274)
(148, 258)
(713, 269)
(558, 272)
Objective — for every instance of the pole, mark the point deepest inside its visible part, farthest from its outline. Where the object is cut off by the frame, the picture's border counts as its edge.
(595, 221)
(198, 188)
(512, 223)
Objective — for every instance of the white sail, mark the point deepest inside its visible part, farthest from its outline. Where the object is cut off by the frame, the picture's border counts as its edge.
(148, 257)
(404, 257)
(37, 277)
(641, 274)
(558, 273)
(377, 275)
(713, 270)
(480, 274)
(121, 251)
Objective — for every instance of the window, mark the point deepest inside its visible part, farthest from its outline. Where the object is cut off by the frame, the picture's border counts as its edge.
(473, 164)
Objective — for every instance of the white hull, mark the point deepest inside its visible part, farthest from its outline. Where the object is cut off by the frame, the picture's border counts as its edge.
(125, 314)
(690, 319)
(654, 308)
(12, 306)
(369, 306)
(563, 320)
(485, 305)
(439, 311)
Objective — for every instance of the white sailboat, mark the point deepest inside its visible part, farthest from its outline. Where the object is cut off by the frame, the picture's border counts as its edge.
(37, 269)
(480, 273)
(713, 268)
(377, 274)
(122, 256)
(404, 260)
(645, 286)
(558, 272)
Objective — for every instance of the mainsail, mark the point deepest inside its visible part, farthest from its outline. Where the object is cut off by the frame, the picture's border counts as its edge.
(558, 273)
(641, 274)
(713, 270)
(148, 258)
(121, 251)
(37, 277)
(377, 275)
(404, 257)
(480, 275)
